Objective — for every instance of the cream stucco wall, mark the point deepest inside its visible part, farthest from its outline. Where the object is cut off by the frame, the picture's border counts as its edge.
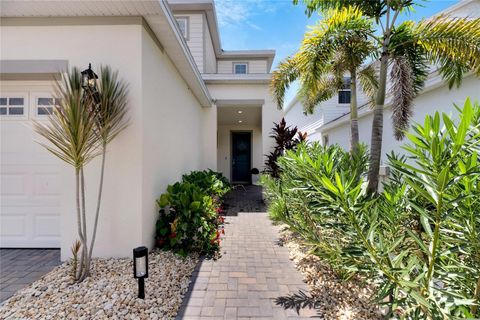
(439, 99)
(165, 137)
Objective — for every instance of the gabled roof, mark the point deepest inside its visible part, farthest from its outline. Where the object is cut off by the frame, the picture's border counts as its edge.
(156, 14)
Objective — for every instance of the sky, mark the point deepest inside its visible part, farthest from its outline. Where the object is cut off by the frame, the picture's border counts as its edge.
(279, 25)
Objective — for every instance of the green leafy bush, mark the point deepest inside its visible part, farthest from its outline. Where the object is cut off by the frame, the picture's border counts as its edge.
(189, 218)
(418, 240)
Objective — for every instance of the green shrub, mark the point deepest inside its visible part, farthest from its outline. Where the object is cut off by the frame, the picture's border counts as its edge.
(418, 240)
(189, 213)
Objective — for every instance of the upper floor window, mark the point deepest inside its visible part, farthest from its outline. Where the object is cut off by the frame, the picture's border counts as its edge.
(344, 94)
(240, 68)
(183, 25)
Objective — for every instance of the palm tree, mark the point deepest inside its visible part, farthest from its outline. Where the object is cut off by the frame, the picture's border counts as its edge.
(79, 130)
(453, 44)
(337, 45)
(71, 133)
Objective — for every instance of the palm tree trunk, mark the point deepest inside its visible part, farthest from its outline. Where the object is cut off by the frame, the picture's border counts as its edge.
(79, 270)
(84, 225)
(377, 127)
(354, 137)
(99, 200)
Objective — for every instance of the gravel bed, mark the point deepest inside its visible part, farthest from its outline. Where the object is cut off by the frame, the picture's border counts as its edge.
(336, 298)
(109, 293)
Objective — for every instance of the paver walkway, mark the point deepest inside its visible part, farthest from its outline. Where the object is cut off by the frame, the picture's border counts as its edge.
(252, 272)
(20, 267)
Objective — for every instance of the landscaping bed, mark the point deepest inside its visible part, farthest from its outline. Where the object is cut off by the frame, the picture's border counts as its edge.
(110, 291)
(334, 298)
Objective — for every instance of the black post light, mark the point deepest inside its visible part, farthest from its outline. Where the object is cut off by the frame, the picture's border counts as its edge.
(140, 268)
(89, 82)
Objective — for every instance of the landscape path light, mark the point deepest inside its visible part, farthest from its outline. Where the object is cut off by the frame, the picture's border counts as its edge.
(140, 268)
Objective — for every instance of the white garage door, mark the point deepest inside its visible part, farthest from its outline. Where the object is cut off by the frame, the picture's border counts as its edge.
(30, 181)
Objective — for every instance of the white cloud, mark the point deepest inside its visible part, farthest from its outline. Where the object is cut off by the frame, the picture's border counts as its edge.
(240, 12)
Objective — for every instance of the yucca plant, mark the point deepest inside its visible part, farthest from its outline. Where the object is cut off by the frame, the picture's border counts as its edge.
(79, 130)
(70, 132)
(453, 44)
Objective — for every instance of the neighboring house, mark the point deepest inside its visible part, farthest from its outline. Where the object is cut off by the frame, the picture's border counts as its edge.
(330, 123)
(192, 106)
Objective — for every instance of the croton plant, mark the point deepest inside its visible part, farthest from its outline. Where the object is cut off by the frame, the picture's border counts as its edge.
(190, 217)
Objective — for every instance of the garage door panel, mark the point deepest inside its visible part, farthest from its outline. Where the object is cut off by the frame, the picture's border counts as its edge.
(14, 184)
(46, 184)
(14, 225)
(30, 184)
(46, 226)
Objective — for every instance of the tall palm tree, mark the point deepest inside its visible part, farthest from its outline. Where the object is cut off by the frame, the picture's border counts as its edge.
(71, 136)
(337, 45)
(79, 130)
(453, 44)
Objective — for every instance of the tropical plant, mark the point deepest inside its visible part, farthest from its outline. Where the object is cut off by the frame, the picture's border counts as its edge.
(189, 219)
(71, 136)
(80, 129)
(337, 45)
(286, 138)
(453, 44)
(418, 240)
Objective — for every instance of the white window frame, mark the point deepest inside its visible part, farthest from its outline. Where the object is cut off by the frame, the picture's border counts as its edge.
(344, 88)
(35, 106)
(15, 94)
(240, 63)
(186, 19)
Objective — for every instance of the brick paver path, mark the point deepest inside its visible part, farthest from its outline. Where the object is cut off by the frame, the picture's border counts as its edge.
(20, 267)
(252, 272)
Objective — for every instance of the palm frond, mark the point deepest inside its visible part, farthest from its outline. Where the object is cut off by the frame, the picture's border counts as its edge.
(282, 78)
(112, 109)
(313, 93)
(404, 43)
(403, 95)
(70, 129)
(453, 44)
(371, 8)
(368, 79)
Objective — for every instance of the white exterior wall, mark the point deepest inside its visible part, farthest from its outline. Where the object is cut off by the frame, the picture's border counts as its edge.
(224, 147)
(439, 99)
(172, 131)
(209, 52)
(164, 139)
(254, 66)
(195, 36)
(121, 203)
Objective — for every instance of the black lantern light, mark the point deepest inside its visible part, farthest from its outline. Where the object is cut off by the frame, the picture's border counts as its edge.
(140, 268)
(89, 79)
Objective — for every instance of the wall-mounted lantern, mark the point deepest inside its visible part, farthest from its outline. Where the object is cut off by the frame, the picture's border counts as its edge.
(89, 79)
(140, 268)
(89, 83)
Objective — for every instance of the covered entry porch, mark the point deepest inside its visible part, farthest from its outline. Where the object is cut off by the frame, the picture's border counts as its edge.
(239, 139)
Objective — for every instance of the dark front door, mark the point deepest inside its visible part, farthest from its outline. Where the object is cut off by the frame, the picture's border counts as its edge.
(241, 157)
